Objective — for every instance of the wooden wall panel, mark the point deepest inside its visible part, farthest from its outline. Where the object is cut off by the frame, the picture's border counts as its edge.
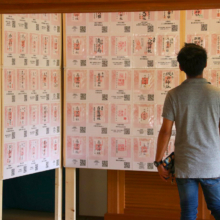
(146, 196)
(67, 6)
(145, 193)
(134, 217)
(116, 191)
(139, 217)
(58, 193)
(182, 38)
(70, 194)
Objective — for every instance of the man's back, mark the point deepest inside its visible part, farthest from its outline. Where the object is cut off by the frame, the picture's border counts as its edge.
(194, 106)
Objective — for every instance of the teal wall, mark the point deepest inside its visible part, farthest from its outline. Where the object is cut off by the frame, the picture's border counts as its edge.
(34, 192)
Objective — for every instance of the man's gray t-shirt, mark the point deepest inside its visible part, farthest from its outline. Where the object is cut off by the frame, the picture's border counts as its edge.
(195, 108)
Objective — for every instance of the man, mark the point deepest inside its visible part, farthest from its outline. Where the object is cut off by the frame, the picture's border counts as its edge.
(194, 106)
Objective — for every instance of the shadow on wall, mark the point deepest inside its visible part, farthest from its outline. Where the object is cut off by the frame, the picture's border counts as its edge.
(35, 192)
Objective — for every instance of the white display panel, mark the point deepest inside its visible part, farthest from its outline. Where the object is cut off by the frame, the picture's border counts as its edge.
(119, 66)
(31, 80)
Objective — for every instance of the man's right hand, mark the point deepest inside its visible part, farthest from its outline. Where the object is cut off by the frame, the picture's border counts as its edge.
(164, 174)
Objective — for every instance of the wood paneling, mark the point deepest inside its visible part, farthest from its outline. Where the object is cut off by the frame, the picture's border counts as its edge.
(70, 194)
(116, 191)
(182, 38)
(58, 193)
(136, 217)
(67, 6)
(145, 193)
(146, 196)
(133, 217)
(121, 191)
(112, 191)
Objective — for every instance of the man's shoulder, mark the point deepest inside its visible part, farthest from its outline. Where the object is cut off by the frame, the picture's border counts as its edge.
(182, 87)
(175, 90)
(213, 88)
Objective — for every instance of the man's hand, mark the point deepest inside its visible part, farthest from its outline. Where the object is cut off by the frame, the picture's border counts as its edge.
(164, 174)
(162, 142)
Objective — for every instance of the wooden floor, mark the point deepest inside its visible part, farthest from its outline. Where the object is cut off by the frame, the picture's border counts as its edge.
(14, 214)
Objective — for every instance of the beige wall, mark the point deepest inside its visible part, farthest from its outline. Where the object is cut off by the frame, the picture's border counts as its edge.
(92, 192)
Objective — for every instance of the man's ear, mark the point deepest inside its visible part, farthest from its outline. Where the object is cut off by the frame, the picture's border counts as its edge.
(182, 69)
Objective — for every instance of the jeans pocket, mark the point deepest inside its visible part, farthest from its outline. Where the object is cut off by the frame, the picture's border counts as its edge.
(211, 181)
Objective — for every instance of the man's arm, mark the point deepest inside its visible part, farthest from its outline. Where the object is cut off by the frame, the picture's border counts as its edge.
(162, 143)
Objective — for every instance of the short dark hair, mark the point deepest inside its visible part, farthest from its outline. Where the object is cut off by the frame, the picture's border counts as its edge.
(192, 59)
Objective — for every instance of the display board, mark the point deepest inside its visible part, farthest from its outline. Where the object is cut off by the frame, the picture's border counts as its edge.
(31, 93)
(118, 70)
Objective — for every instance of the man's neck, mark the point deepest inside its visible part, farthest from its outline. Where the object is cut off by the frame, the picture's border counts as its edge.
(196, 77)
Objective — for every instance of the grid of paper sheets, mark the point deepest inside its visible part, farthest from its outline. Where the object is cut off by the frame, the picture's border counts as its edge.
(118, 69)
(203, 28)
(31, 85)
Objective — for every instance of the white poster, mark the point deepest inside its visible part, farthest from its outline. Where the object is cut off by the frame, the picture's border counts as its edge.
(32, 93)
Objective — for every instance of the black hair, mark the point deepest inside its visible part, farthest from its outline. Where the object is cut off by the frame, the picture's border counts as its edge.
(192, 59)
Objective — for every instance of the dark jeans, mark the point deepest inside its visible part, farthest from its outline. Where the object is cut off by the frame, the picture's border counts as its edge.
(188, 192)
